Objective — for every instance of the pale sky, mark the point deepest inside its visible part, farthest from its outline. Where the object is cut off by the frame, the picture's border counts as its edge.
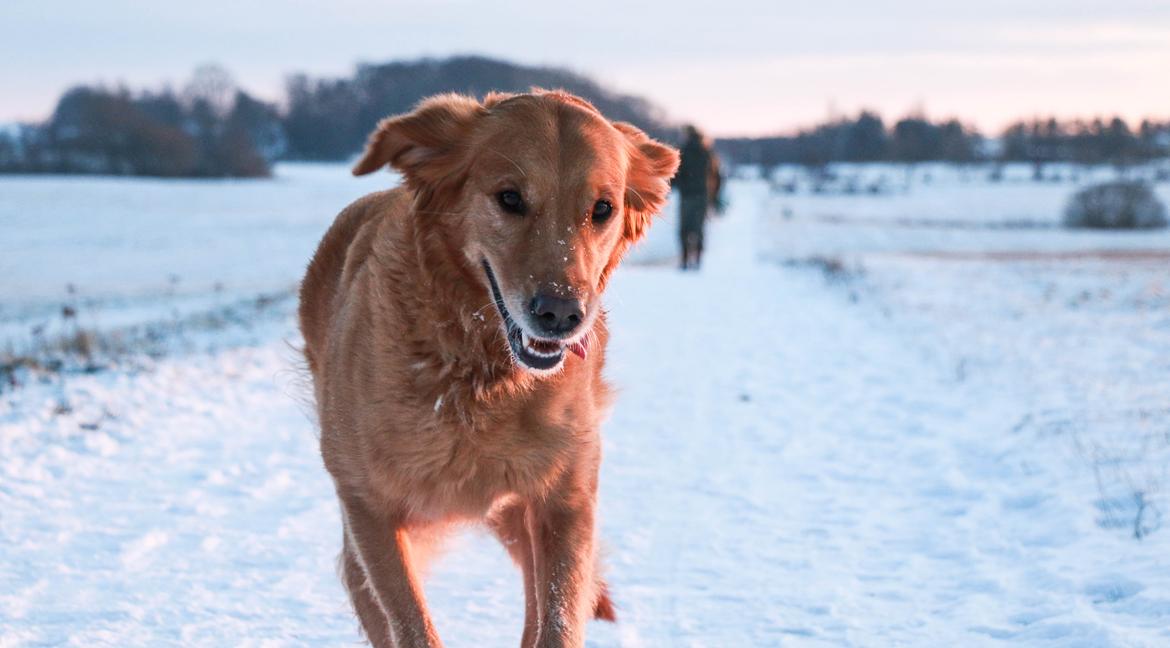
(731, 66)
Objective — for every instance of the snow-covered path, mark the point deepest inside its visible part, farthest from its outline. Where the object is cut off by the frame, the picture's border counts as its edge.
(782, 467)
(806, 475)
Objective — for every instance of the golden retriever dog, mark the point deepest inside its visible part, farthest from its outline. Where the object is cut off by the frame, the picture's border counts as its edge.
(455, 335)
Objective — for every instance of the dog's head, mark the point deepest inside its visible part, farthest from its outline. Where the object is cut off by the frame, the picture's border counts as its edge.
(539, 194)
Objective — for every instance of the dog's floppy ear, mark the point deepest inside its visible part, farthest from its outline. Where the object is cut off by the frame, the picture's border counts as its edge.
(426, 145)
(652, 165)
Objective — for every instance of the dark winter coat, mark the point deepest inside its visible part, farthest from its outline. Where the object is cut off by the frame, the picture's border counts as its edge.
(694, 170)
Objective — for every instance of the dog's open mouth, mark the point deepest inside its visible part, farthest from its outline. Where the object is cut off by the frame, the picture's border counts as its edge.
(535, 353)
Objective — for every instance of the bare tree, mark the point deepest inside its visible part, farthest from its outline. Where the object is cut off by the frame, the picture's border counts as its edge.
(212, 85)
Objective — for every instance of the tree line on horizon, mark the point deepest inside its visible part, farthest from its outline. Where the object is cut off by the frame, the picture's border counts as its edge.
(212, 128)
(209, 129)
(914, 139)
(330, 119)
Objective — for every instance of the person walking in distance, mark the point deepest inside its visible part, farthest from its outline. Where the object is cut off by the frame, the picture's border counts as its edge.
(692, 182)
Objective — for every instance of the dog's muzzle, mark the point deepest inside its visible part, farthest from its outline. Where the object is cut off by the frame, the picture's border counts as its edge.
(539, 354)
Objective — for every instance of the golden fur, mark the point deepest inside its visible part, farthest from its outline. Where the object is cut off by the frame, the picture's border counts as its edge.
(427, 416)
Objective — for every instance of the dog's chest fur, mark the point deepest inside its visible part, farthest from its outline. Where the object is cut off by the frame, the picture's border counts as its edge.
(420, 405)
(458, 455)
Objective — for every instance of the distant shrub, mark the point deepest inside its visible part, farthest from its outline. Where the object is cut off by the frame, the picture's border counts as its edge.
(1115, 205)
(211, 130)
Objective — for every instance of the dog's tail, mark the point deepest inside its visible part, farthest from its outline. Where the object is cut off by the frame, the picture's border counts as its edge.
(603, 609)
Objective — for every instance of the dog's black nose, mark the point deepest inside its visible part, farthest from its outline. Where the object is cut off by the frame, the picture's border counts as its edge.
(555, 315)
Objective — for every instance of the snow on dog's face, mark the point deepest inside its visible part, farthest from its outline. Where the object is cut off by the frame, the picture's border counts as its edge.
(541, 196)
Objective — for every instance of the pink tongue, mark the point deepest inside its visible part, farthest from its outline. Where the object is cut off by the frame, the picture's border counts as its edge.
(580, 348)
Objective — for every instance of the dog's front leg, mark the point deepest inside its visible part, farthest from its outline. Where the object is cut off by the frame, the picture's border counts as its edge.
(510, 524)
(383, 551)
(562, 538)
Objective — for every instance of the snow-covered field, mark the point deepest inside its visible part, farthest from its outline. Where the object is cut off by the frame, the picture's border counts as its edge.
(858, 428)
(127, 251)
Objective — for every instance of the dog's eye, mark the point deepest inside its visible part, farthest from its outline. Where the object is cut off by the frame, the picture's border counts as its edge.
(511, 202)
(602, 210)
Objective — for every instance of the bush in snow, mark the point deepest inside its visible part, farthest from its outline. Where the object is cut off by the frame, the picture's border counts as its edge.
(1115, 205)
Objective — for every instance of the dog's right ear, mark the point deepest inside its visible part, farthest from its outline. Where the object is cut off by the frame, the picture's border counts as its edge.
(652, 165)
(427, 145)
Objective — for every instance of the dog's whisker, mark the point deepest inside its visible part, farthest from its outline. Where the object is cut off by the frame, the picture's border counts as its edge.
(437, 213)
(518, 167)
(488, 305)
(635, 192)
